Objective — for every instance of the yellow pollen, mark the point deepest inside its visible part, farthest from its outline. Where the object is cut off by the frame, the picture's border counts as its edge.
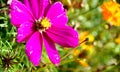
(45, 23)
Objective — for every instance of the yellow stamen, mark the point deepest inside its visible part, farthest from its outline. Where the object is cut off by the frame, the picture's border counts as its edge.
(45, 23)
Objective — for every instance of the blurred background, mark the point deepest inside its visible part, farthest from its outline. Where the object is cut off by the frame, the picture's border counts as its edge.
(98, 25)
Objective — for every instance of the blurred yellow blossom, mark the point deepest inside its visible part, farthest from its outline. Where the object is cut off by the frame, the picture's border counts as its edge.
(111, 12)
(86, 49)
(84, 53)
(117, 40)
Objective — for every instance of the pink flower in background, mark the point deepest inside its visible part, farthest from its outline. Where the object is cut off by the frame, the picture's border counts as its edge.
(37, 22)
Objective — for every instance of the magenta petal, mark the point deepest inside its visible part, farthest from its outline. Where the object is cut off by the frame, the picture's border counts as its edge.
(34, 7)
(51, 50)
(43, 7)
(63, 35)
(57, 14)
(37, 6)
(27, 3)
(25, 31)
(19, 13)
(34, 48)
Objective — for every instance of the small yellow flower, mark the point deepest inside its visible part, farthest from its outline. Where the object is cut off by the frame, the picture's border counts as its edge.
(111, 12)
(86, 49)
(117, 40)
(85, 52)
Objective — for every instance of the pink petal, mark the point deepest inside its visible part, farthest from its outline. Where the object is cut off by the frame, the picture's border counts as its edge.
(63, 35)
(37, 6)
(51, 50)
(44, 6)
(19, 13)
(57, 14)
(26, 2)
(25, 31)
(34, 48)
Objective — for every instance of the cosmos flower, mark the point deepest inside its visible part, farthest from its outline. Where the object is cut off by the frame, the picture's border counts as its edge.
(38, 22)
(111, 12)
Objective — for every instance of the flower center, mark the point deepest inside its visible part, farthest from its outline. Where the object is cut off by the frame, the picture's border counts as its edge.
(43, 24)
